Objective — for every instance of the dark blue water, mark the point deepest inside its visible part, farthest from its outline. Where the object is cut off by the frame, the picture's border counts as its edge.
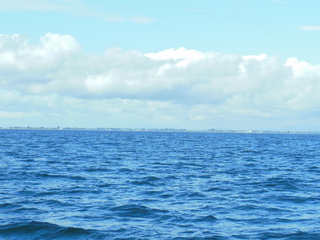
(152, 185)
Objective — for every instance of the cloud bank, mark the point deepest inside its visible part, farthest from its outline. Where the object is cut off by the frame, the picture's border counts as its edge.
(170, 88)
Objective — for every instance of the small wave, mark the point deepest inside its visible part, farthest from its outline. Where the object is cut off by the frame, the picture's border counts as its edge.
(291, 236)
(8, 206)
(278, 210)
(97, 170)
(152, 193)
(193, 195)
(167, 195)
(211, 237)
(219, 189)
(137, 211)
(44, 230)
(247, 207)
(151, 179)
(172, 218)
(48, 175)
(297, 199)
(171, 177)
(105, 185)
(142, 183)
(77, 190)
(125, 170)
(49, 193)
(208, 218)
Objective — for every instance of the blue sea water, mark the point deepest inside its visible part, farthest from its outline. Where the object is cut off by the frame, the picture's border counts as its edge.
(158, 185)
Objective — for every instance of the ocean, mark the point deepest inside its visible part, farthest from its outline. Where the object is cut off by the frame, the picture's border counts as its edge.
(158, 185)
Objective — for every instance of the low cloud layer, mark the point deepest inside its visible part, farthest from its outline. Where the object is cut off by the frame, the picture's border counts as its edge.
(174, 86)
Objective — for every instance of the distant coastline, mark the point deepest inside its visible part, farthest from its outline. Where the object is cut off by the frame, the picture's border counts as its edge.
(157, 130)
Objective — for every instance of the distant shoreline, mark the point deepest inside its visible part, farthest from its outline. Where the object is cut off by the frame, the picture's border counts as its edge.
(155, 130)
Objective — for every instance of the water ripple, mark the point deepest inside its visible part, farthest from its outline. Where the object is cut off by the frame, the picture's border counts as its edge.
(149, 185)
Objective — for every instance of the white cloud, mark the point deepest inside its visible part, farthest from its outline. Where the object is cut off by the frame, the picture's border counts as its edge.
(141, 19)
(168, 88)
(310, 28)
(303, 68)
(29, 68)
(73, 7)
(259, 57)
(175, 54)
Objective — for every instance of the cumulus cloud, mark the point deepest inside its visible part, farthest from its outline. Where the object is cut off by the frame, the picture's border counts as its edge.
(56, 77)
(28, 68)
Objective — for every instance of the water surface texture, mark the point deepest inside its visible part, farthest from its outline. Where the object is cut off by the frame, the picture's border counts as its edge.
(158, 185)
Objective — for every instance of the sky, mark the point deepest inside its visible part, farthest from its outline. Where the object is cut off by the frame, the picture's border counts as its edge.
(204, 64)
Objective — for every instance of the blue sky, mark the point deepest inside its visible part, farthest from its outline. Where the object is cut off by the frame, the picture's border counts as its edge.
(232, 64)
(231, 26)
